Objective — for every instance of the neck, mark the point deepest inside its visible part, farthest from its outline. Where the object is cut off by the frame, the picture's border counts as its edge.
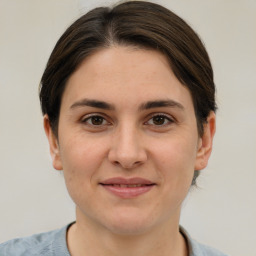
(165, 240)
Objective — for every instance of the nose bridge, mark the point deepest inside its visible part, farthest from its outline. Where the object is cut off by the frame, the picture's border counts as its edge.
(128, 140)
(127, 148)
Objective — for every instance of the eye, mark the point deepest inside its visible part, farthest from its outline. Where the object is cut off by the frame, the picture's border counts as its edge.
(160, 120)
(95, 120)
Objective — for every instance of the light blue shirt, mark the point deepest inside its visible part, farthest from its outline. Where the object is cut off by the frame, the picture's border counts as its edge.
(54, 243)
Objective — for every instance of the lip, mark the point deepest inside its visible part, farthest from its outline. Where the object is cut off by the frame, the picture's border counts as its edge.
(127, 188)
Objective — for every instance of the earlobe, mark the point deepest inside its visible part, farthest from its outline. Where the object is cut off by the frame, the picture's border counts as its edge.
(205, 142)
(53, 144)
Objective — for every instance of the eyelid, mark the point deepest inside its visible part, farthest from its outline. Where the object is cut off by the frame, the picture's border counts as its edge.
(88, 116)
(170, 118)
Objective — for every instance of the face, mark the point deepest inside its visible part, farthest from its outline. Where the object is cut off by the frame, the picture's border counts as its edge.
(127, 141)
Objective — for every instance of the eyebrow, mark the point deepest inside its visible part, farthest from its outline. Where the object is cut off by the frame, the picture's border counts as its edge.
(161, 103)
(93, 103)
(144, 106)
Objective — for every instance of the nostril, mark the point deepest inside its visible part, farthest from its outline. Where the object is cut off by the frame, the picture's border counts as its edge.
(116, 163)
(128, 165)
(127, 159)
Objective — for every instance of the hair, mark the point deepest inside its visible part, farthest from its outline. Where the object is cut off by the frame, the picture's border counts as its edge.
(139, 24)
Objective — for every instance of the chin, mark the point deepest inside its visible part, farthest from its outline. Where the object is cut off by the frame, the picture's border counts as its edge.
(129, 224)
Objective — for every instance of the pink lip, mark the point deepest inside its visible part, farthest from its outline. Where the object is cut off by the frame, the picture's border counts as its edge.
(117, 186)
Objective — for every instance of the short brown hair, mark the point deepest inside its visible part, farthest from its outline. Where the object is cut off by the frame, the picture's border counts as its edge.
(136, 23)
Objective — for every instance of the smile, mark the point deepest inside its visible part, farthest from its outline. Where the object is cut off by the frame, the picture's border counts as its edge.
(127, 188)
(128, 185)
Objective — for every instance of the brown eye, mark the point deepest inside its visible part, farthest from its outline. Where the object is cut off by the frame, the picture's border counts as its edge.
(95, 120)
(160, 120)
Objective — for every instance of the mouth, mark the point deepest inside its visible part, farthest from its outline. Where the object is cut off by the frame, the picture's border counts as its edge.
(127, 185)
(127, 188)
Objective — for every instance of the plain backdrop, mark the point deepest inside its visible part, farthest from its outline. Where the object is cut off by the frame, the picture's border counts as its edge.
(33, 197)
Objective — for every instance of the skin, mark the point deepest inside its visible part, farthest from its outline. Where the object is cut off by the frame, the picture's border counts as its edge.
(158, 143)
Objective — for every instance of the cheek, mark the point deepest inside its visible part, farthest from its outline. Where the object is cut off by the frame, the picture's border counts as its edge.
(176, 160)
(81, 160)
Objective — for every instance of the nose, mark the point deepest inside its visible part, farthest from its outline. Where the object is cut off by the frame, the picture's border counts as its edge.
(127, 149)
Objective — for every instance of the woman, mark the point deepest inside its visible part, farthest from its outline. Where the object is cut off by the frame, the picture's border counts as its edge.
(128, 100)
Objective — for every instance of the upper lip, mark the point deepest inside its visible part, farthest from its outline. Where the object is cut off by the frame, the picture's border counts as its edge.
(125, 181)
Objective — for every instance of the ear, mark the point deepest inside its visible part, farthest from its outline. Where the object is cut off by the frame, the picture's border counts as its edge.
(53, 144)
(205, 143)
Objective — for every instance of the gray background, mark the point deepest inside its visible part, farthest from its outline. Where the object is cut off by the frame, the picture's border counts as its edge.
(33, 198)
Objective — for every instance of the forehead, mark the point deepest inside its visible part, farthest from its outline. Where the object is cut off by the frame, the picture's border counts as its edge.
(125, 75)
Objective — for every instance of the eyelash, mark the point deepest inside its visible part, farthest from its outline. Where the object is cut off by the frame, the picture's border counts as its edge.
(87, 118)
(166, 118)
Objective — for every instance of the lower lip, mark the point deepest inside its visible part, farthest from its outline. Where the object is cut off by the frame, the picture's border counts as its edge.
(128, 192)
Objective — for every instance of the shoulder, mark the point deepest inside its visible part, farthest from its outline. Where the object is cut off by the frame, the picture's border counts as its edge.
(204, 250)
(198, 249)
(49, 243)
